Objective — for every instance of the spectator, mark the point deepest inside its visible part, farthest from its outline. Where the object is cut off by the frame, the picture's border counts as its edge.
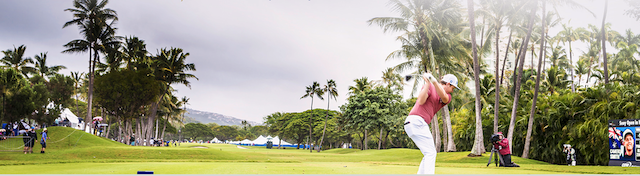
(25, 140)
(132, 139)
(33, 137)
(43, 141)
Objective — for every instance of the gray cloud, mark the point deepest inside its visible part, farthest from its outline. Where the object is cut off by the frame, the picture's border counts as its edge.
(253, 58)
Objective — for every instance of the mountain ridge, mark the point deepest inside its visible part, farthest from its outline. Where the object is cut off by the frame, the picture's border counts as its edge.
(209, 117)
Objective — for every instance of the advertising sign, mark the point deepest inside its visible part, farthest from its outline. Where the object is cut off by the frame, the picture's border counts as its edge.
(624, 142)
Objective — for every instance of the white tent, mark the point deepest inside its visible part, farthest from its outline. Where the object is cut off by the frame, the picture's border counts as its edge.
(215, 140)
(260, 141)
(73, 119)
(276, 140)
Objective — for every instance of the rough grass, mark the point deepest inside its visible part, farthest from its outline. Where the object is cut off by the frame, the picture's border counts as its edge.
(94, 155)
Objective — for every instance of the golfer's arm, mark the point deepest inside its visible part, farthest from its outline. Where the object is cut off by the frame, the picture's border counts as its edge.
(441, 93)
(424, 94)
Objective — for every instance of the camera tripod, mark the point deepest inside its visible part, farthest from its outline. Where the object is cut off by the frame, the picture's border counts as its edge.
(494, 151)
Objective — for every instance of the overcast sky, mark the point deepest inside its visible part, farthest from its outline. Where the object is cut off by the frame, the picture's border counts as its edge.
(253, 57)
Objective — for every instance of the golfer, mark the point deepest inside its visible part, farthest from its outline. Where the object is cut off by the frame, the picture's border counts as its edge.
(433, 96)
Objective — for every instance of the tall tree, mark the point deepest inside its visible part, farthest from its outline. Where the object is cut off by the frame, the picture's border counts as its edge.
(185, 102)
(534, 7)
(332, 92)
(43, 69)
(604, 40)
(16, 60)
(77, 79)
(568, 34)
(170, 67)
(478, 144)
(525, 153)
(94, 22)
(498, 12)
(313, 89)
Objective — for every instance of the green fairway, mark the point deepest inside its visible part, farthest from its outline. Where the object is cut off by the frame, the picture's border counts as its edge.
(93, 155)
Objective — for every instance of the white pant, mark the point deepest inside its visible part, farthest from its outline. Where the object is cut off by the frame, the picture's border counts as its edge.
(418, 131)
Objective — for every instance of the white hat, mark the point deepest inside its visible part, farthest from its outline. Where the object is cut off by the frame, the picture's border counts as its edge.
(627, 131)
(451, 79)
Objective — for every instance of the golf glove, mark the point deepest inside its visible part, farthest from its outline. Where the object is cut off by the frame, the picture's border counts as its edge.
(430, 77)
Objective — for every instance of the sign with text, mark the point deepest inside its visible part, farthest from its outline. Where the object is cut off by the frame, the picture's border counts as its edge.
(624, 142)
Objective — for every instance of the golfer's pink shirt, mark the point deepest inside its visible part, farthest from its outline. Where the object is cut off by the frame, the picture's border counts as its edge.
(430, 107)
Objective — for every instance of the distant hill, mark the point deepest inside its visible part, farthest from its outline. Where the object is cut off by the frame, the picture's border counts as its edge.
(195, 116)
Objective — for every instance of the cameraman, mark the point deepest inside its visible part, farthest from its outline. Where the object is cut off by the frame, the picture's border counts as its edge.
(571, 155)
(503, 147)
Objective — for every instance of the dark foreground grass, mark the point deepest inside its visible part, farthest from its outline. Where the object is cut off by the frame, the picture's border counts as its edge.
(94, 155)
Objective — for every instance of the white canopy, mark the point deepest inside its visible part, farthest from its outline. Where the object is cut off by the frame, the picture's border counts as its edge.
(261, 140)
(215, 140)
(275, 141)
(66, 113)
(246, 141)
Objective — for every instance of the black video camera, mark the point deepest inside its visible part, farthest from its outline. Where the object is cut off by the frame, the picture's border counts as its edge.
(494, 138)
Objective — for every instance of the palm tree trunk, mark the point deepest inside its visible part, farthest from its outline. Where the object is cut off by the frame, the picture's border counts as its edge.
(497, 89)
(89, 91)
(435, 130)
(77, 108)
(310, 134)
(517, 62)
(119, 129)
(506, 53)
(325, 121)
(445, 138)
(138, 131)
(527, 142)
(604, 40)
(533, 47)
(164, 129)
(451, 146)
(106, 135)
(156, 135)
(516, 98)
(478, 144)
(573, 85)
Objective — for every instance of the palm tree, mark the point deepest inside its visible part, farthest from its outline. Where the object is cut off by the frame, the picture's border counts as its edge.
(628, 38)
(134, 51)
(332, 92)
(478, 144)
(313, 89)
(604, 40)
(94, 22)
(15, 59)
(581, 69)
(514, 110)
(43, 69)
(432, 40)
(525, 153)
(170, 67)
(77, 78)
(185, 102)
(361, 85)
(498, 12)
(568, 34)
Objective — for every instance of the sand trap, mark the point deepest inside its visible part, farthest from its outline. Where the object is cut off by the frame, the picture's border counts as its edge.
(202, 147)
(241, 147)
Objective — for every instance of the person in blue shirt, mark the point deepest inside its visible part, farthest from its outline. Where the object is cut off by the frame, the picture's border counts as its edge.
(43, 141)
